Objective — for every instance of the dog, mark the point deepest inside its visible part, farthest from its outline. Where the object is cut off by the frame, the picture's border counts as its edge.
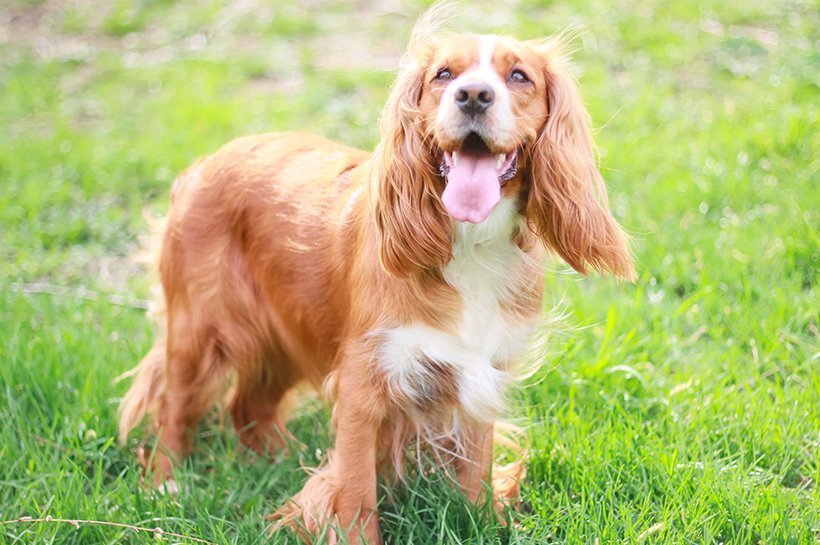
(405, 283)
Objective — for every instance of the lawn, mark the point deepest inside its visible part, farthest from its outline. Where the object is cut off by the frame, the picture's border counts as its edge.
(682, 409)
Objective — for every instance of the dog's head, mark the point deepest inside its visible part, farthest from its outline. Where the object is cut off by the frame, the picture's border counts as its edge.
(474, 119)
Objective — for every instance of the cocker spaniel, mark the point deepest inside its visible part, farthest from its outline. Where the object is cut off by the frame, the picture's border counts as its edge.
(405, 283)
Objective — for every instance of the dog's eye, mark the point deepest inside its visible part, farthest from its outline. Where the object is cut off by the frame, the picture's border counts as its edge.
(444, 74)
(518, 76)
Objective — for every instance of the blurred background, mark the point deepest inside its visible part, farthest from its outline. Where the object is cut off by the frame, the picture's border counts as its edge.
(683, 409)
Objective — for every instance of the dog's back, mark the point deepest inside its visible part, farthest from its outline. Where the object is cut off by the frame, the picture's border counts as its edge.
(239, 282)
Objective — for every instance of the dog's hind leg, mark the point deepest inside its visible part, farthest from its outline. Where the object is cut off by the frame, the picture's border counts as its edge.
(259, 411)
(193, 381)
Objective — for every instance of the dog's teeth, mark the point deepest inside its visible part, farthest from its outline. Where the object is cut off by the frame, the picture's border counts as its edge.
(500, 163)
(455, 158)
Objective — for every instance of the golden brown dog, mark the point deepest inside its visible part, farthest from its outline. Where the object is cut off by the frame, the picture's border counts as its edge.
(406, 282)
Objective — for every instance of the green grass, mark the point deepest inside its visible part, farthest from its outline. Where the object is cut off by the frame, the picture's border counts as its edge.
(682, 410)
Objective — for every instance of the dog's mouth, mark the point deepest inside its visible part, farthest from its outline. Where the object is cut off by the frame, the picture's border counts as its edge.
(474, 176)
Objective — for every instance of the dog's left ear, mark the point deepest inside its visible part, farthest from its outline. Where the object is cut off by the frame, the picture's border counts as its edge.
(567, 202)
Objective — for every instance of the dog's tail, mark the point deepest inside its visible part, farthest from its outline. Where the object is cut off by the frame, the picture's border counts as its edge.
(146, 389)
(149, 374)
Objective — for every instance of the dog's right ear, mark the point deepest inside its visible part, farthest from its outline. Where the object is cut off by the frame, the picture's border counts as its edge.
(414, 231)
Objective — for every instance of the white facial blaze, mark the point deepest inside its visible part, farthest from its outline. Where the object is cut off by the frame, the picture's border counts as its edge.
(486, 47)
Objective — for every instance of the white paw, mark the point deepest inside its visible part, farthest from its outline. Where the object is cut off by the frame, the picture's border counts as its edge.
(168, 488)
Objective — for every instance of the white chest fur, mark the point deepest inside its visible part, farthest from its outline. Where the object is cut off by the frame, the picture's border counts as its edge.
(485, 269)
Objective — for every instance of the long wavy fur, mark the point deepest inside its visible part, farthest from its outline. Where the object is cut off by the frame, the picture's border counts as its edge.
(567, 203)
(414, 231)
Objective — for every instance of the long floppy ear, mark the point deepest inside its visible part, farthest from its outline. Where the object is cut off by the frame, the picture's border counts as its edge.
(414, 231)
(567, 200)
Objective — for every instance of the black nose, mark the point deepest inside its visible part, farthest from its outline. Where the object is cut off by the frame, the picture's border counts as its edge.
(475, 98)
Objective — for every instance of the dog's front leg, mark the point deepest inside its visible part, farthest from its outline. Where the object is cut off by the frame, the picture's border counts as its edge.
(355, 458)
(473, 471)
(340, 497)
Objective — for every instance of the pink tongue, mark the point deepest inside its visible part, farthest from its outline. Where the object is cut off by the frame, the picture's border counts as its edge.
(472, 189)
